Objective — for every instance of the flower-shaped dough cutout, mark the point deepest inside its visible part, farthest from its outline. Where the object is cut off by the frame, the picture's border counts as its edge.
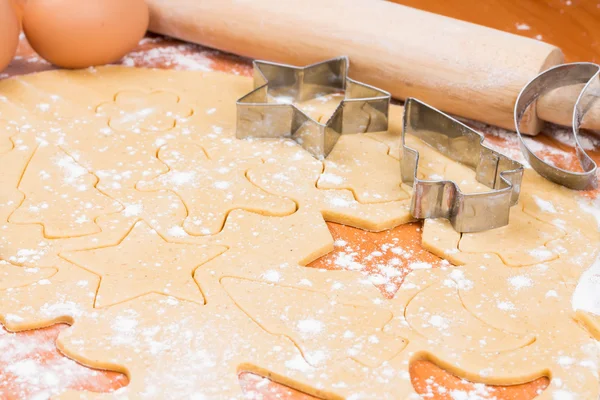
(137, 111)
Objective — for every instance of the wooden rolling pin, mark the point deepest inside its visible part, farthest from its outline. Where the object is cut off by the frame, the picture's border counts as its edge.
(462, 68)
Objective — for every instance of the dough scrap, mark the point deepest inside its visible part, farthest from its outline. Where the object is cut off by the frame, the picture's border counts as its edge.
(512, 305)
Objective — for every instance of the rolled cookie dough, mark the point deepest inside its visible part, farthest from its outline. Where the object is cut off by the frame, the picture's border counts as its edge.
(179, 253)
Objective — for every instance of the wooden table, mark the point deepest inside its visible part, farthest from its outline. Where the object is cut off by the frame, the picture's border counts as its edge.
(573, 25)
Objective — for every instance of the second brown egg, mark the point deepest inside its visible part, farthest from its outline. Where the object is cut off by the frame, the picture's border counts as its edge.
(79, 34)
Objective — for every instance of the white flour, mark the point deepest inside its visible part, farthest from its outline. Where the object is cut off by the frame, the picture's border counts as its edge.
(587, 293)
(32, 369)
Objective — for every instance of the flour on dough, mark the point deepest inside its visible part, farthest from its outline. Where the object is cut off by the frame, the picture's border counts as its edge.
(179, 253)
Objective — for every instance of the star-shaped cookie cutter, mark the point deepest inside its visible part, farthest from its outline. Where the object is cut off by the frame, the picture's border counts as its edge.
(260, 115)
(470, 212)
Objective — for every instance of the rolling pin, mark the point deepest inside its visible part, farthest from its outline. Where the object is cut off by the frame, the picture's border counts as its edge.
(461, 68)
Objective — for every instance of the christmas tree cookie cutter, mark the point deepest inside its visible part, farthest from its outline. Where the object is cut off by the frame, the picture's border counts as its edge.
(259, 114)
(470, 212)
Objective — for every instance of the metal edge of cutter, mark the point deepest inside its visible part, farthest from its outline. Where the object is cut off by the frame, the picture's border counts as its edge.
(467, 212)
(554, 78)
(259, 115)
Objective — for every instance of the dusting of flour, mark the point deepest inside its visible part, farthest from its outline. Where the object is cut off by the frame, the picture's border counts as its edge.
(587, 294)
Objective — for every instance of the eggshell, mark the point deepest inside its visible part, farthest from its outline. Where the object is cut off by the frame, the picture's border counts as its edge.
(82, 33)
(9, 32)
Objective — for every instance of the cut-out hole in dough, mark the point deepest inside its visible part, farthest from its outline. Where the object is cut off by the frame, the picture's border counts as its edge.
(32, 366)
(433, 382)
(385, 257)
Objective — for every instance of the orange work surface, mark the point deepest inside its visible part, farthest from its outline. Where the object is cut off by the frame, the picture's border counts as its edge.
(570, 24)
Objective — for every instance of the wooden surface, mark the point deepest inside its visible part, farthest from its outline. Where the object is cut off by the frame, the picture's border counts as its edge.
(572, 25)
(543, 17)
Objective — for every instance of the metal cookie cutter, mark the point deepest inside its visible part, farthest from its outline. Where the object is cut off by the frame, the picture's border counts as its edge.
(559, 76)
(471, 212)
(259, 115)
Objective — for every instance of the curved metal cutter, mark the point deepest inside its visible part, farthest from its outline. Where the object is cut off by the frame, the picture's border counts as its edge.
(553, 78)
(268, 111)
(471, 212)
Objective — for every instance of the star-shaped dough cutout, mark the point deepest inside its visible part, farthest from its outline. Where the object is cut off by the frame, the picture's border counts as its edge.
(128, 270)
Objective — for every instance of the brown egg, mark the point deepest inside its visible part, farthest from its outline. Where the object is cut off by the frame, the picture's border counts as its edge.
(82, 33)
(9, 32)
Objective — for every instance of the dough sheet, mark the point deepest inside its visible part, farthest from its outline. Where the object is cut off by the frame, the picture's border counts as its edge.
(179, 253)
